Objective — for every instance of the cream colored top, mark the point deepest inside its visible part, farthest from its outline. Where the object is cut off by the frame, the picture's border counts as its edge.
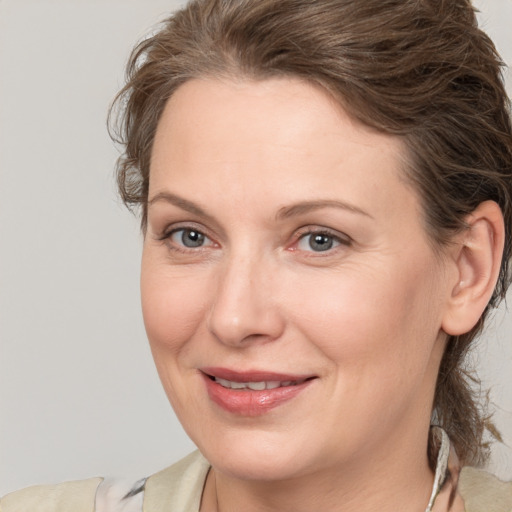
(179, 488)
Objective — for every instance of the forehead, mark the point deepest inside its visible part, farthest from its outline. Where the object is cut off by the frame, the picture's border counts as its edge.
(284, 108)
(275, 138)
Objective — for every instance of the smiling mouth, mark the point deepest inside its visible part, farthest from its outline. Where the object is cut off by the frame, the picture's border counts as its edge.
(252, 393)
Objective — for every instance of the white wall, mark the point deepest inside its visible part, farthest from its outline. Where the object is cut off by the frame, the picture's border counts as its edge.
(78, 393)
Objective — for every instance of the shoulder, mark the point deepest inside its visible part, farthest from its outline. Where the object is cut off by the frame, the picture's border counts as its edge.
(178, 487)
(483, 492)
(77, 496)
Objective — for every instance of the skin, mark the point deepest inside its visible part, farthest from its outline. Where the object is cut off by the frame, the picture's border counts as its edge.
(365, 317)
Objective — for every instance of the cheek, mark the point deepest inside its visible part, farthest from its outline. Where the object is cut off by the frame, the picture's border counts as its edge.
(172, 306)
(370, 321)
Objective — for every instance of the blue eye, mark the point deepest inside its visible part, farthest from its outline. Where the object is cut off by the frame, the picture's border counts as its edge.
(318, 242)
(190, 238)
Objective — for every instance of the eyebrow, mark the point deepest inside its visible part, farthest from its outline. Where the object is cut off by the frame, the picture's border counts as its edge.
(180, 202)
(284, 213)
(309, 206)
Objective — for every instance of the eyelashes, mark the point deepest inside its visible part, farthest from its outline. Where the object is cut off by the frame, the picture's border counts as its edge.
(189, 237)
(186, 240)
(319, 240)
(310, 239)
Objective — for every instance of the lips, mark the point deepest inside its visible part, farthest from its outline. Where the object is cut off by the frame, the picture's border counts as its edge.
(252, 393)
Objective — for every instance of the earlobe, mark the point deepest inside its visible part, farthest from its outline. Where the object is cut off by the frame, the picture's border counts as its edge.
(478, 260)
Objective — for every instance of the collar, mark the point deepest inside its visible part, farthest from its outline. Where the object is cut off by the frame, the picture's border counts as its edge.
(444, 497)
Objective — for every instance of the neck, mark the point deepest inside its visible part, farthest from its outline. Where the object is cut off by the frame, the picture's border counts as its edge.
(383, 482)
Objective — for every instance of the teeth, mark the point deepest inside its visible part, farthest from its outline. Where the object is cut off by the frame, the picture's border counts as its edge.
(254, 386)
(223, 382)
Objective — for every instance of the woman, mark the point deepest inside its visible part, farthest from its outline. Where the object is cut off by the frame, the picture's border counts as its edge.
(326, 198)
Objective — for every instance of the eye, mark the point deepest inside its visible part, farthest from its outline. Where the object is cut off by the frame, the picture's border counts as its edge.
(189, 238)
(319, 241)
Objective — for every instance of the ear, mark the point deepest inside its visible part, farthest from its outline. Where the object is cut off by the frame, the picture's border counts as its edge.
(477, 256)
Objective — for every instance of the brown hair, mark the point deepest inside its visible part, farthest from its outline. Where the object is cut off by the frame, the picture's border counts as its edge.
(419, 69)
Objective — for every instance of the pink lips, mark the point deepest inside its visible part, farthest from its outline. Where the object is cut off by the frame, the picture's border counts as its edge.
(247, 401)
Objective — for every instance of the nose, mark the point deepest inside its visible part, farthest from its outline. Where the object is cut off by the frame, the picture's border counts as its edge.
(244, 309)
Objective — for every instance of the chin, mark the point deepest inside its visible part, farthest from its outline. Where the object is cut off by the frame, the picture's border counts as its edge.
(253, 457)
(256, 468)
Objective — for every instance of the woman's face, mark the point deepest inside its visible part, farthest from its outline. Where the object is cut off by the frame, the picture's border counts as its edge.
(290, 294)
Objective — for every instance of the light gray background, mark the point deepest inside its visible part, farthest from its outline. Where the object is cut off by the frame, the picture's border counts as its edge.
(78, 393)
